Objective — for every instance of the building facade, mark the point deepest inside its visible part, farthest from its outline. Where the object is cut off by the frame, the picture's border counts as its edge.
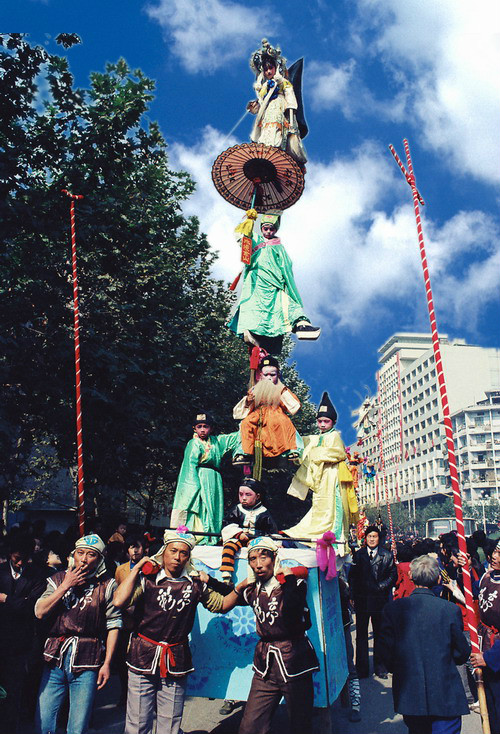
(476, 430)
(403, 435)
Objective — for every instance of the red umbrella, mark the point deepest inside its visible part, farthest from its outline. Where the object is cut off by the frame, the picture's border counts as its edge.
(258, 176)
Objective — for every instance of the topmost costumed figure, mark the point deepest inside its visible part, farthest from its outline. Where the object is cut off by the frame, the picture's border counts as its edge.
(279, 122)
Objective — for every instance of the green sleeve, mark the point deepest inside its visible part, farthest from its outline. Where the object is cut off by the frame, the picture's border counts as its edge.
(188, 481)
(285, 264)
(228, 442)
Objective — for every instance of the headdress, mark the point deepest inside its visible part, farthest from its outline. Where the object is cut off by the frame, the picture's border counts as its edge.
(269, 361)
(253, 484)
(181, 535)
(203, 417)
(271, 218)
(326, 408)
(262, 543)
(92, 542)
(266, 51)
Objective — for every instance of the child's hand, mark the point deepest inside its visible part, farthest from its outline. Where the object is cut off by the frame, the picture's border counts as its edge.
(253, 106)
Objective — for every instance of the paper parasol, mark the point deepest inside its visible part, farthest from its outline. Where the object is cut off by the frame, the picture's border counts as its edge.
(253, 170)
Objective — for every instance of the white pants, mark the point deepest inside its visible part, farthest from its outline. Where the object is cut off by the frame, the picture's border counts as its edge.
(147, 693)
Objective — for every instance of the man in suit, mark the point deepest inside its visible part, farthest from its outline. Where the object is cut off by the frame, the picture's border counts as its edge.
(20, 586)
(371, 578)
(422, 642)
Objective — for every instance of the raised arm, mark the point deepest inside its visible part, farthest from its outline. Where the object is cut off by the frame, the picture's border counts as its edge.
(235, 597)
(53, 594)
(125, 591)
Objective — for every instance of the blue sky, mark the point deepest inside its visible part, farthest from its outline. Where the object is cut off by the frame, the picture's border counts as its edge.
(375, 71)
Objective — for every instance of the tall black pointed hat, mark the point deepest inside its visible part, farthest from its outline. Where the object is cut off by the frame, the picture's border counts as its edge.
(326, 408)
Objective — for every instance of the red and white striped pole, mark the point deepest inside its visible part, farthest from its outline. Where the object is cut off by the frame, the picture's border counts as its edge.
(382, 466)
(79, 433)
(400, 402)
(457, 497)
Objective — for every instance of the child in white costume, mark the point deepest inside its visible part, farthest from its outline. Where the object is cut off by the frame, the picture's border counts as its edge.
(276, 104)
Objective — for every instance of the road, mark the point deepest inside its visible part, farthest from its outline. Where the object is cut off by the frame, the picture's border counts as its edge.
(201, 715)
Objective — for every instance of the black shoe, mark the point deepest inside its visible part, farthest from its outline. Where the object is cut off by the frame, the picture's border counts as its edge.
(242, 460)
(227, 707)
(307, 331)
(354, 715)
(382, 675)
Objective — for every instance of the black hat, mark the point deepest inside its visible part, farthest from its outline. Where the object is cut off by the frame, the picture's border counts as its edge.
(252, 484)
(203, 417)
(326, 408)
(372, 529)
(269, 361)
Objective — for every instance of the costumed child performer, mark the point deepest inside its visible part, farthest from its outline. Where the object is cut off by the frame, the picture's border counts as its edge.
(266, 430)
(324, 471)
(245, 520)
(270, 305)
(276, 104)
(199, 500)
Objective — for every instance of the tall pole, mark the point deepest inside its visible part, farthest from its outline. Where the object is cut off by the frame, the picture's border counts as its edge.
(78, 383)
(382, 466)
(452, 463)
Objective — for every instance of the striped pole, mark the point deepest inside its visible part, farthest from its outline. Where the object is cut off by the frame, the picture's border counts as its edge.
(400, 401)
(79, 434)
(457, 497)
(382, 466)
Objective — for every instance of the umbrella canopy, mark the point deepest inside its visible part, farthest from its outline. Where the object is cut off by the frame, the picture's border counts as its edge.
(272, 174)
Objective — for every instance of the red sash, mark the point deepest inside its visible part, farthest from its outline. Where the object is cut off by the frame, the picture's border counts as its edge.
(166, 650)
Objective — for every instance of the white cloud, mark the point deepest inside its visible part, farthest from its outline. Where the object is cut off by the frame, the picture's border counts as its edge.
(355, 262)
(208, 34)
(449, 54)
(342, 87)
(331, 85)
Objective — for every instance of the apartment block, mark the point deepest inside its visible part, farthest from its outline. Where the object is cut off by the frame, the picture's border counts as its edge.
(477, 441)
(403, 434)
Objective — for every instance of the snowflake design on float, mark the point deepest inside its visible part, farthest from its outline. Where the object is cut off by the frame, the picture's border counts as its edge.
(243, 622)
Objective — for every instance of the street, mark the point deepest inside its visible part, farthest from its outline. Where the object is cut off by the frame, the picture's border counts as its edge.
(201, 715)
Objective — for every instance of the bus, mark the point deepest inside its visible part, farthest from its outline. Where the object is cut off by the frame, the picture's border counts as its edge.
(436, 526)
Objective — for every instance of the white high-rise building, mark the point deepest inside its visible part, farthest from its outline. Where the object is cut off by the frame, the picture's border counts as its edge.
(476, 430)
(403, 431)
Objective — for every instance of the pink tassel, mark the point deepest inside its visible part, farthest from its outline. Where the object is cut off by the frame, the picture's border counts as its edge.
(183, 529)
(325, 554)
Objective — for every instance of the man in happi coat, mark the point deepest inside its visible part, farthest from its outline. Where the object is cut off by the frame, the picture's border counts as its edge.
(489, 630)
(83, 634)
(284, 659)
(159, 659)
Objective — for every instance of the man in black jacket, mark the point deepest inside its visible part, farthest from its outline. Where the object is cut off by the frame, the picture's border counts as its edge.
(20, 586)
(371, 577)
(422, 642)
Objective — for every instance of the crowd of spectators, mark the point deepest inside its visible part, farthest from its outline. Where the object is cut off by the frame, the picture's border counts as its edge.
(380, 576)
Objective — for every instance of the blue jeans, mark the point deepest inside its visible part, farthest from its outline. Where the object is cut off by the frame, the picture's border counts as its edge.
(55, 684)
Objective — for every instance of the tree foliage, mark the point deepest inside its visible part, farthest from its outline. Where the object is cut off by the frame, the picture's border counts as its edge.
(154, 348)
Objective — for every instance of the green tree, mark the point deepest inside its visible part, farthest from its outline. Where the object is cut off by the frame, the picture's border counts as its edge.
(154, 348)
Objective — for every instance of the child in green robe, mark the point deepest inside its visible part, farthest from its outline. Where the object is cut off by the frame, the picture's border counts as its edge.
(199, 501)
